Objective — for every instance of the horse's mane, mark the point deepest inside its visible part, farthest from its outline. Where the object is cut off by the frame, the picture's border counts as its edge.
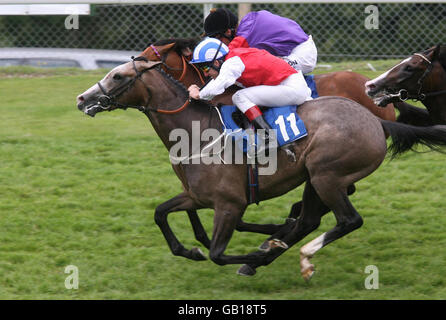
(180, 43)
(442, 56)
(180, 86)
(175, 82)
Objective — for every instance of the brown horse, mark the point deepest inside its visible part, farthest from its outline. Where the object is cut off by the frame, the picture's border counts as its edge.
(345, 143)
(175, 53)
(420, 77)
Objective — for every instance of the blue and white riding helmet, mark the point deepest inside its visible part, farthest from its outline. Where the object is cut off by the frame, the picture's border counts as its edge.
(209, 50)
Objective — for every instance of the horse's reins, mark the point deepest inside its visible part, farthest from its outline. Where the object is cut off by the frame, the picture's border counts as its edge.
(109, 99)
(403, 94)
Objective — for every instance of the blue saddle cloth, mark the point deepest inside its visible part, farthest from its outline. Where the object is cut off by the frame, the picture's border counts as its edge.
(312, 85)
(289, 127)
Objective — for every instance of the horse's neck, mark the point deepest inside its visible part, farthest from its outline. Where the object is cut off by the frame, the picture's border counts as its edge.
(437, 108)
(197, 116)
(191, 122)
(436, 105)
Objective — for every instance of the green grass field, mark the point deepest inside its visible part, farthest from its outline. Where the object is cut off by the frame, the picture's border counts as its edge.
(81, 191)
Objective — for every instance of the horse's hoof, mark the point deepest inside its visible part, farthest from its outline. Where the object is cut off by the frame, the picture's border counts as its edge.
(246, 270)
(271, 244)
(197, 254)
(265, 246)
(308, 273)
(276, 243)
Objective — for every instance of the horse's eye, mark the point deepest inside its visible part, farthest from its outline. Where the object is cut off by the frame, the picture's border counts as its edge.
(408, 68)
(117, 77)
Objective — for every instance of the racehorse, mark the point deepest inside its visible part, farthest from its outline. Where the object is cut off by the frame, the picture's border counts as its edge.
(421, 77)
(345, 143)
(174, 55)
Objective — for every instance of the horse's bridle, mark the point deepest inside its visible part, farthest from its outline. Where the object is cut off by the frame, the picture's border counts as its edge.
(403, 94)
(109, 99)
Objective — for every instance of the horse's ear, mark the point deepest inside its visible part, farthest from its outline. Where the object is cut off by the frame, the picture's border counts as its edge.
(151, 64)
(153, 54)
(165, 48)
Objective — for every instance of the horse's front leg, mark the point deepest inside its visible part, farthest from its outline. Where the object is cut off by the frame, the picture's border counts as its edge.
(412, 115)
(295, 212)
(180, 203)
(199, 232)
(311, 211)
(226, 218)
(276, 230)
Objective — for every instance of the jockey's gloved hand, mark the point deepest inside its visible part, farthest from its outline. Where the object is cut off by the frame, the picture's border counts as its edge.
(194, 92)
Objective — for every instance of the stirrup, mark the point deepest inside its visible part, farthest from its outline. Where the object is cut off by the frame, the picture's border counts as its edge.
(289, 153)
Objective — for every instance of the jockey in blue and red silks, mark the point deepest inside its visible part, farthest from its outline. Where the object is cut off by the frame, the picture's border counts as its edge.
(267, 80)
(282, 37)
(279, 36)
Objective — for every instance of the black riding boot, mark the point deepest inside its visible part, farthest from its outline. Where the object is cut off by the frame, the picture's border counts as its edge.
(260, 124)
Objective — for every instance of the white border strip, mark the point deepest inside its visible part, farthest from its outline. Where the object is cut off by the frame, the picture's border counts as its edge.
(207, 1)
(44, 9)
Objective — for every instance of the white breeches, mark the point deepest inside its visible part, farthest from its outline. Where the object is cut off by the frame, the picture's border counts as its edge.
(292, 91)
(303, 57)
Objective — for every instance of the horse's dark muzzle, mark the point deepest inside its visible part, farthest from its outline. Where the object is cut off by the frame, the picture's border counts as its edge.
(90, 110)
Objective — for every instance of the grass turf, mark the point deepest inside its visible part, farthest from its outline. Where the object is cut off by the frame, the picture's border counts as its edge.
(81, 191)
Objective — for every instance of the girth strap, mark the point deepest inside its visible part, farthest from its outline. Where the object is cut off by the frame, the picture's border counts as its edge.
(253, 184)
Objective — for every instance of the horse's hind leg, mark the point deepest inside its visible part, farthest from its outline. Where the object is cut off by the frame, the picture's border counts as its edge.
(179, 203)
(294, 214)
(296, 208)
(260, 228)
(312, 210)
(226, 217)
(347, 219)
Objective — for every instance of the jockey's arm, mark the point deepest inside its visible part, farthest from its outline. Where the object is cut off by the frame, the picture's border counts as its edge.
(230, 71)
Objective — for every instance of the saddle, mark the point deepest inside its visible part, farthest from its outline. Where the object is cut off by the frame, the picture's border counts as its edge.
(285, 120)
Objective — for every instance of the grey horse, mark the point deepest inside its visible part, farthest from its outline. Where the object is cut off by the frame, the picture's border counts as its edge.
(345, 143)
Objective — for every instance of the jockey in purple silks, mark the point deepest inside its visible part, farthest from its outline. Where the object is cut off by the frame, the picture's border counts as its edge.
(279, 36)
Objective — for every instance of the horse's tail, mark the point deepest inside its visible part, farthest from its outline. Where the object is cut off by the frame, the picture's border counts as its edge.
(405, 137)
